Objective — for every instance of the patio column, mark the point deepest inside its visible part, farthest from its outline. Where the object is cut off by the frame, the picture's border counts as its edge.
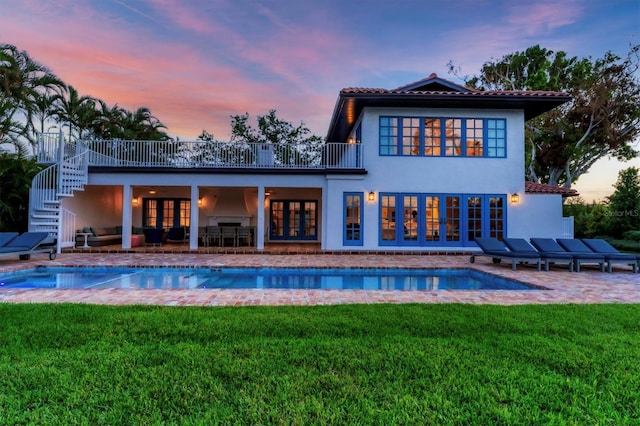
(195, 214)
(127, 195)
(260, 220)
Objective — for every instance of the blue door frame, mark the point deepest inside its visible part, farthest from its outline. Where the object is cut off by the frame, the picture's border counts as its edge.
(293, 220)
(440, 219)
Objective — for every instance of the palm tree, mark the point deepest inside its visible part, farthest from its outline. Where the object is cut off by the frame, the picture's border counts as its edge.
(142, 125)
(22, 80)
(43, 110)
(72, 110)
(109, 121)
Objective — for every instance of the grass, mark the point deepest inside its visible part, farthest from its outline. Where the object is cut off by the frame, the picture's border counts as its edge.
(353, 364)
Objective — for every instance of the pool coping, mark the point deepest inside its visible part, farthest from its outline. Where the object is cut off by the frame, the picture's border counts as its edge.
(587, 286)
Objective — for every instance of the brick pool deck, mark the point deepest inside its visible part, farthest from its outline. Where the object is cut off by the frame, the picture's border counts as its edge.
(588, 286)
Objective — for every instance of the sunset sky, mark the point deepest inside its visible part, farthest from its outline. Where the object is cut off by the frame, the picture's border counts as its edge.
(195, 63)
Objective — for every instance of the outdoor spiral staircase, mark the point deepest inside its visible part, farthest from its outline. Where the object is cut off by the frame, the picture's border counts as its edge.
(67, 173)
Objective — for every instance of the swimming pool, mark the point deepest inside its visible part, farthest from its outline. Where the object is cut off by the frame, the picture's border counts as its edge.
(257, 278)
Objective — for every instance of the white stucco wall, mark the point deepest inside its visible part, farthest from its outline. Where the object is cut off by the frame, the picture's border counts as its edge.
(536, 216)
(445, 174)
(425, 174)
(96, 206)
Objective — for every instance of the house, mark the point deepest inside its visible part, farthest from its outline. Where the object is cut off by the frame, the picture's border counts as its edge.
(427, 166)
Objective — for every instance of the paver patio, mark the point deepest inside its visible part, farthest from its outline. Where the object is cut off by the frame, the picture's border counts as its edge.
(587, 286)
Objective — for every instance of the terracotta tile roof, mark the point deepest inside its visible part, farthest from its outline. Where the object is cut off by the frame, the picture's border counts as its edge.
(541, 188)
(474, 93)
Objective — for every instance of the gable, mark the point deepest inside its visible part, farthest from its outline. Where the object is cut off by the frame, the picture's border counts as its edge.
(433, 83)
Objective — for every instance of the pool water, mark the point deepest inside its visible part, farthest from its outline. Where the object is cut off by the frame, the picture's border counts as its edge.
(253, 278)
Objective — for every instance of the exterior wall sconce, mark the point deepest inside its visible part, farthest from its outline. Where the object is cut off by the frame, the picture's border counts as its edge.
(515, 198)
(134, 201)
(152, 191)
(371, 196)
(200, 201)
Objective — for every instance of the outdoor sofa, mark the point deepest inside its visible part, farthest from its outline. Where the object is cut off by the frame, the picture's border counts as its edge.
(98, 236)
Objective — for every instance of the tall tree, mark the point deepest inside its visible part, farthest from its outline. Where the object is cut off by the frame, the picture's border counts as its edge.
(43, 109)
(295, 144)
(22, 80)
(71, 109)
(624, 203)
(602, 120)
(141, 124)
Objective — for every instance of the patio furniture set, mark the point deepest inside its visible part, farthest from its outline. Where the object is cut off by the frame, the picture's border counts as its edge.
(225, 236)
(570, 251)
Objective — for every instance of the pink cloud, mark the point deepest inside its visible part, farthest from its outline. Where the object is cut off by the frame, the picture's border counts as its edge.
(542, 17)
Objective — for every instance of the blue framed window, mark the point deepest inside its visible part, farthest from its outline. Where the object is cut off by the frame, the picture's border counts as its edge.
(352, 234)
(443, 137)
(388, 136)
(496, 138)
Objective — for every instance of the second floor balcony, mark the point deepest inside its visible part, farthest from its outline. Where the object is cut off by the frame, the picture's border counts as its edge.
(203, 154)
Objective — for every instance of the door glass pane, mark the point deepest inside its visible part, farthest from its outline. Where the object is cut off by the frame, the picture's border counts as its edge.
(310, 219)
(474, 214)
(185, 213)
(388, 217)
(410, 218)
(277, 218)
(294, 219)
(453, 218)
(151, 213)
(167, 214)
(496, 217)
(432, 218)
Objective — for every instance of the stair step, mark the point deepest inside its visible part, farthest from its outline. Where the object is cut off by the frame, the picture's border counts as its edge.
(44, 226)
(72, 172)
(45, 216)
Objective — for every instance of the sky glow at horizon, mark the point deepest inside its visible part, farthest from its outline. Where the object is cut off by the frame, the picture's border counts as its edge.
(197, 63)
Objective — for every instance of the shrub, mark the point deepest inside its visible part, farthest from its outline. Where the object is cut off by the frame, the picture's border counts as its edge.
(632, 235)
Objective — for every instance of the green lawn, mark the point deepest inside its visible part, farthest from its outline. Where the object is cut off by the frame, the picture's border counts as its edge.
(354, 364)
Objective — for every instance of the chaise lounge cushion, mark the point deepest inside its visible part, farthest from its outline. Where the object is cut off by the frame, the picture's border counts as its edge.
(496, 249)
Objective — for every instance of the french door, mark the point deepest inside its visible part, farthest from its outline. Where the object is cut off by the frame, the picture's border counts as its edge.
(166, 212)
(440, 219)
(293, 220)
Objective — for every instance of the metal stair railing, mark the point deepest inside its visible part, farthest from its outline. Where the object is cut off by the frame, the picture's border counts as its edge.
(60, 180)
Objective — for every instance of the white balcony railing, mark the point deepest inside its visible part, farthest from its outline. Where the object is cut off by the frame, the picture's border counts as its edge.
(200, 154)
